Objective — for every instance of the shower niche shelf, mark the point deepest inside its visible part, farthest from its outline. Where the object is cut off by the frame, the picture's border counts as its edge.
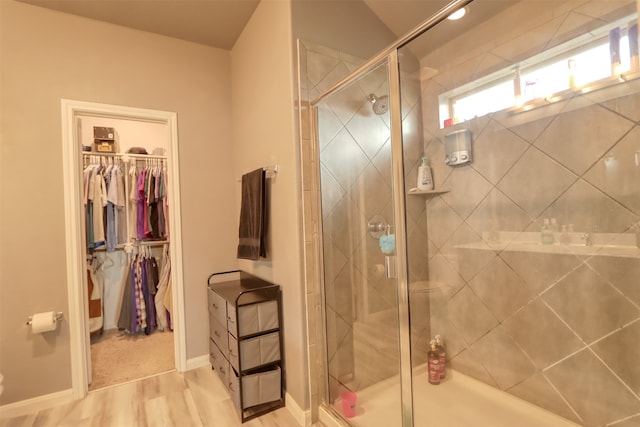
(415, 192)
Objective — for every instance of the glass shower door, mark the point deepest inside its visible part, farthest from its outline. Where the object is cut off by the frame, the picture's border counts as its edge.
(525, 257)
(361, 304)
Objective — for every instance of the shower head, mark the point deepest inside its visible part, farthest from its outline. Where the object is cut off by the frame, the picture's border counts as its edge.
(380, 104)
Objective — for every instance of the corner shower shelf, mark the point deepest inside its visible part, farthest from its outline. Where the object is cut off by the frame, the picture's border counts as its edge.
(415, 191)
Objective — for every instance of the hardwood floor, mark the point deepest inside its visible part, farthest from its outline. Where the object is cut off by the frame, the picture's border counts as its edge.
(194, 398)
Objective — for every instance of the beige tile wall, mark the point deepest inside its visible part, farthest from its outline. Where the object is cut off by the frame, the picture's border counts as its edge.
(557, 328)
(561, 330)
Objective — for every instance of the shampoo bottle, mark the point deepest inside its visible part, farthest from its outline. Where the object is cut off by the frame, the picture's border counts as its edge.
(546, 235)
(425, 180)
(433, 364)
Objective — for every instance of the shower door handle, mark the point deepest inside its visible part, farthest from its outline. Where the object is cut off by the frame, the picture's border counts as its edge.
(390, 266)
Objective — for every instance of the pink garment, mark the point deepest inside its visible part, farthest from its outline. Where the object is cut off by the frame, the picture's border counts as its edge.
(141, 223)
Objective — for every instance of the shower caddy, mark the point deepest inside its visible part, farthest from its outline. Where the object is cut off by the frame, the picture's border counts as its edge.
(245, 340)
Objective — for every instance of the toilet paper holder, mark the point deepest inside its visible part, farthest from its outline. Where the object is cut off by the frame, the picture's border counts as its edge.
(58, 317)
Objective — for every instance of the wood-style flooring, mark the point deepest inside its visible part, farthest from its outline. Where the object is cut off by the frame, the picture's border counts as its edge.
(194, 398)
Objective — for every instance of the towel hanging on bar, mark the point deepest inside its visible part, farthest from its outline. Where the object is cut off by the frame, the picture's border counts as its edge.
(253, 216)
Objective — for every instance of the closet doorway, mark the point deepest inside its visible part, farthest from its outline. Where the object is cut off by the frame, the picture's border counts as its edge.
(97, 312)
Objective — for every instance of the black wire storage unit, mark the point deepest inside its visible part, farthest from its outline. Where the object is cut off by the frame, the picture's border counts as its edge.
(245, 340)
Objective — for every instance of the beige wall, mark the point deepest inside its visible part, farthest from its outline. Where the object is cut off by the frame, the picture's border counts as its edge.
(62, 56)
(47, 56)
(264, 134)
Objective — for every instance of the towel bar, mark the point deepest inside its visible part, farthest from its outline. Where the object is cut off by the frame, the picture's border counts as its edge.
(271, 171)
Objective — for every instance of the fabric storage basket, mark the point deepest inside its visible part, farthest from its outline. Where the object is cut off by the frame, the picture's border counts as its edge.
(258, 388)
(217, 306)
(261, 387)
(219, 363)
(219, 335)
(254, 318)
(255, 351)
(260, 350)
(233, 353)
(233, 385)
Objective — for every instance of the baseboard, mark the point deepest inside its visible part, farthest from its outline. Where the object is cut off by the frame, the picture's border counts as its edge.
(198, 362)
(328, 419)
(36, 404)
(301, 416)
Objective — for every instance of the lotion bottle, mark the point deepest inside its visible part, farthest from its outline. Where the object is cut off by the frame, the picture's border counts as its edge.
(425, 180)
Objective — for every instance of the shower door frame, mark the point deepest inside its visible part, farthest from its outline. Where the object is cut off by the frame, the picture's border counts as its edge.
(389, 54)
(398, 202)
(399, 214)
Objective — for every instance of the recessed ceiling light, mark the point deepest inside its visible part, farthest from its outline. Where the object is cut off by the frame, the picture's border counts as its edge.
(457, 14)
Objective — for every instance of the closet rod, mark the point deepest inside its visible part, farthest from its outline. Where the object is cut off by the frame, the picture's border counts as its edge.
(124, 155)
(152, 243)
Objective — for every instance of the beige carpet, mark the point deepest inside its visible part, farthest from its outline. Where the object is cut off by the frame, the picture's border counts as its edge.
(117, 357)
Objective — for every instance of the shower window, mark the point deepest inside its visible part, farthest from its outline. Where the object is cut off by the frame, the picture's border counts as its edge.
(589, 59)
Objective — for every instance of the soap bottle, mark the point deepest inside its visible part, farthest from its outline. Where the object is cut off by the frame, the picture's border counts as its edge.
(546, 235)
(564, 235)
(433, 364)
(425, 180)
(442, 354)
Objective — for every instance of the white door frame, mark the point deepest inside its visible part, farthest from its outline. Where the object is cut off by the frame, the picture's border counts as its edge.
(77, 294)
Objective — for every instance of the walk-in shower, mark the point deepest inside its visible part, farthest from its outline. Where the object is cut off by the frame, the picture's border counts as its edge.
(525, 261)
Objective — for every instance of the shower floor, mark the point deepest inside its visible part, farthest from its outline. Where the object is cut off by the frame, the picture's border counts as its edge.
(459, 401)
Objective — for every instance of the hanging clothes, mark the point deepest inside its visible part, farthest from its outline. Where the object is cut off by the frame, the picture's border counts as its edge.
(151, 205)
(116, 216)
(165, 199)
(125, 206)
(95, 284)
(133, 203)
(163, 285)
(95, 202)
(139, 310)
(104, 203)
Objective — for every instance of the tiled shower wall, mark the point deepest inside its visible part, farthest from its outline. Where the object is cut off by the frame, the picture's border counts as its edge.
(557, 327)
(361, 303)
(559, 330)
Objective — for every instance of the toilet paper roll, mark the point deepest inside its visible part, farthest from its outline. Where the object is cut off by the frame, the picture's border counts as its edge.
(44, 322)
